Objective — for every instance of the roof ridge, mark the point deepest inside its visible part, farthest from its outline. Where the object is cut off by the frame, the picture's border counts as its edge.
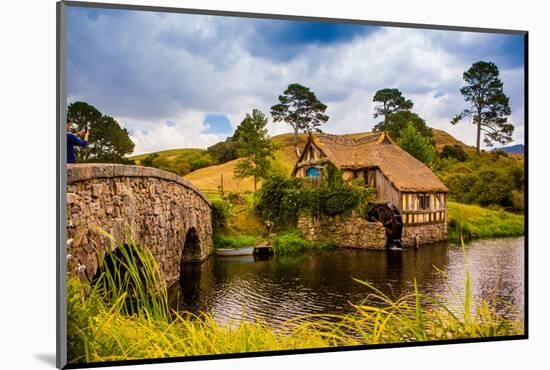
(347, 140)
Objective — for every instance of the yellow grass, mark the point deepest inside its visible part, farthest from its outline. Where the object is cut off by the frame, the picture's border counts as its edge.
(209, 178)
(443, 138)
(244, 221)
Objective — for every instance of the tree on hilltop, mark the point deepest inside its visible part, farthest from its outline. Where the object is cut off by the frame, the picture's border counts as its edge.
(391, 101)
(395, 123)
(489, 106)
(300, 108)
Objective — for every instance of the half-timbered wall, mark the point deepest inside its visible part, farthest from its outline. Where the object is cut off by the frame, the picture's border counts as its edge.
(423, 208)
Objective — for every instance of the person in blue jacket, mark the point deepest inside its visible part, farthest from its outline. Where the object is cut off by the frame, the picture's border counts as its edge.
(78, 139)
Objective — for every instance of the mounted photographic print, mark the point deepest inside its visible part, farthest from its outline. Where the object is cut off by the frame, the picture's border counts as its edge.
(235, 184)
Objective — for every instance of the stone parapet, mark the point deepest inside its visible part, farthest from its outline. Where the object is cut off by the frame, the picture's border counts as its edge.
(154, 208)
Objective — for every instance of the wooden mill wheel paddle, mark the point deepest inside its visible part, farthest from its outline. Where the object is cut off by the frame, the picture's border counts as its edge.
(388, 215)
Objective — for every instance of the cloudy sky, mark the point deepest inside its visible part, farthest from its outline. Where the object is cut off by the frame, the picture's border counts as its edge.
(178, 80)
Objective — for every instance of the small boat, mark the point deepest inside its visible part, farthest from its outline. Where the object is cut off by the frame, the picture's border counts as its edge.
(236, 259)
(248, 251)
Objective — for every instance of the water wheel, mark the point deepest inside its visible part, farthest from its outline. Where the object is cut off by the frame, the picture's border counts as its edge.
(388, 215)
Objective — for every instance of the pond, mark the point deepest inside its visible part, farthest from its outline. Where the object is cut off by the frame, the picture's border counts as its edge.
(283, 287)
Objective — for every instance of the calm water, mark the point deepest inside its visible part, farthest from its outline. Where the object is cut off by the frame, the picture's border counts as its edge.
(232, 288)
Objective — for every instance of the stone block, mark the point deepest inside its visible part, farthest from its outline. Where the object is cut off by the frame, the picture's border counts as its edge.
(71, 198)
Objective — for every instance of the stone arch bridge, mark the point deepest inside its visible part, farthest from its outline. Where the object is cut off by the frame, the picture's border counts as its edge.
(152, 207)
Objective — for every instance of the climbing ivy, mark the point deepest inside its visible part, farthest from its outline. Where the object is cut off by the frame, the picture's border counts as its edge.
(282, 200)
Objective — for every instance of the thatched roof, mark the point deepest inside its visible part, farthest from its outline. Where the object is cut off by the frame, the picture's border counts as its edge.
(377, 149)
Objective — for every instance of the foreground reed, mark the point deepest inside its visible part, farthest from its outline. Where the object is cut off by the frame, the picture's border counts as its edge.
(124, 315)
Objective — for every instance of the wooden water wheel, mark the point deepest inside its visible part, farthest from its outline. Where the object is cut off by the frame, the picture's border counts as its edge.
(388, 215)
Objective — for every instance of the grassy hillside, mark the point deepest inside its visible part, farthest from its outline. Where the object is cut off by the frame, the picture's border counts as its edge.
(170, 154)
(209, 178)
(443, 138)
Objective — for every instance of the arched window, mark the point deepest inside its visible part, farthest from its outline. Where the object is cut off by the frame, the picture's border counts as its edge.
(312, 172)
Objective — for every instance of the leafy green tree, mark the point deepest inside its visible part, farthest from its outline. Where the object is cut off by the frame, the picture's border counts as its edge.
(108, 141)
(300, 108)
(83, 115)
(417, 145)
(224, 151)
(396, 122)
(255, 148)
(489, 106)
(391, 101)
(181, 168)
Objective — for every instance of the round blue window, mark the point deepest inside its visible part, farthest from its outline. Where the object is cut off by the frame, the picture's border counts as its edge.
(312, 171)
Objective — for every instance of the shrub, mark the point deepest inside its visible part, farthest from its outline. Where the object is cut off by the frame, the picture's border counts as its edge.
(271, 195)
(518, 200)
(283, 200)
(234, 198)
(233, 241)
(486, 179)
(220, 214)
(454, 151)
(181, 168)
(148, 161)
(290, 242)
(326, 244)
(499, 153)
(340, 201)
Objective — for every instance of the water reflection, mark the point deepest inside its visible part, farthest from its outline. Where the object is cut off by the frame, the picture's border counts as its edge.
(274, 290)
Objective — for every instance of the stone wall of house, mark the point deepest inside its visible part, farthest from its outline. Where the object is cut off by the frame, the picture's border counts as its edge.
(347, 232)
(355, 232)
(154, 208)
(424, 234)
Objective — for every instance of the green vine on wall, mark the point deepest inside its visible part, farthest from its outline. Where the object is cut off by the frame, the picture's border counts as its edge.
(282, 200)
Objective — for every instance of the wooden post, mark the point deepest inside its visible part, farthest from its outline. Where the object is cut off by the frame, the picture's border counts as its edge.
(221, 183)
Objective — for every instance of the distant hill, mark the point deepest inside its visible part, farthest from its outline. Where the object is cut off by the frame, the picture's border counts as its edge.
(443, 138)
(209, 178)
(170, 154)
(513, 149)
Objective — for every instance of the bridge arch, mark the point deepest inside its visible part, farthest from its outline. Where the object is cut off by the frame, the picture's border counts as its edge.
(191, 246)
(151, 207)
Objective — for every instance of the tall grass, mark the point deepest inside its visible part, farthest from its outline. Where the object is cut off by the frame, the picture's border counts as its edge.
(290, 242)
(102, 327)
(474, 222)
(131, 273)
(128, 286)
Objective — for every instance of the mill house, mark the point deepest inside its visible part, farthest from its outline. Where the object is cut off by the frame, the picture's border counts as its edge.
(412, 200)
